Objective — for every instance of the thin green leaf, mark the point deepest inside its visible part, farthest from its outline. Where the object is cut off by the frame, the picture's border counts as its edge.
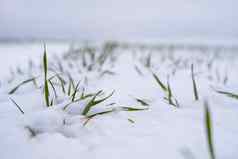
(133, 109)
(18, 107)
(142, 102)
(46, 87)
(69, 88)
(75, 92)
(45, 62)
(229, 94)
(94, 102)
(96, 114)
(21, 84)
(62, 82)
(163, 87)
(209, 133)
(131, 121)
(46, 92)
(54, 90)
(195, 91)
(170, 94)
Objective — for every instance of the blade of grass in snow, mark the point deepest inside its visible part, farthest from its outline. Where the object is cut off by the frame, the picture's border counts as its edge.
(163, 87)
(75, 92)
(46, 87)
(148, 61)
(170, 96)
(18, 107)
(46, 92)
(62, 82)
(96, 114)
(54, 90)
(45, 62)
(21, 84)
(94, 102)
(69, 88)
(138, 70)
(142, 102)
(129, 109)
(32, 132)
(71, 80)
(229, 94)
(195, 91)
(209, 133)
(77, 100)
(131, 121)
(84, 96)
(107, 72)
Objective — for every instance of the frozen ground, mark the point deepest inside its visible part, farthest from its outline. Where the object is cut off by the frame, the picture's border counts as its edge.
(161, 131)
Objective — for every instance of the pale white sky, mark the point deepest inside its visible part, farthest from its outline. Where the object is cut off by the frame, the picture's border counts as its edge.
(90, 19)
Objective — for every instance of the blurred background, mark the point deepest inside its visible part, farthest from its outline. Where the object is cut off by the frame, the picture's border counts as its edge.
(120, 20)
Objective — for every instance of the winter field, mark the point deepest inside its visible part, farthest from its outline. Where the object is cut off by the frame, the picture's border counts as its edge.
(118, 101)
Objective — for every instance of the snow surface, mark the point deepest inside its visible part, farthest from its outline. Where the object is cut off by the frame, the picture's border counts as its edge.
(162, 131)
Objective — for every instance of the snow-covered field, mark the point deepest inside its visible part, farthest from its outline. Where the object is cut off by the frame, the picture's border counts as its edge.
(138, 122)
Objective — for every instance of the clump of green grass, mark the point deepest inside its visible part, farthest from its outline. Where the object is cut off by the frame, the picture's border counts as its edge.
(209, 129)
(120, 108)
(167, 91)
(93, 102)
(195, 91)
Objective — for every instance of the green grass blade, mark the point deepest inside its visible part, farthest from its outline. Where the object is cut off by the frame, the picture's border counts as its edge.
(19, 85)
(90, 103)
(97, 114)
(209, 133)
(100, 113)
(46, 87)
(195, 91)
(18, 107)
(130, 109)
(47, 94)
(131, 121)
(69, 88)
(163, 87)
(45, 62)
(170, 94)
(142, 102)
(102, 100)
(138, 70)
(75, 92)
(229, 94)
(84, 96)
(94, 102)
(62, 83)
(53, 87)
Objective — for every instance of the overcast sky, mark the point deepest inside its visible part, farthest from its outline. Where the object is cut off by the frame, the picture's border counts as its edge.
(90, 19)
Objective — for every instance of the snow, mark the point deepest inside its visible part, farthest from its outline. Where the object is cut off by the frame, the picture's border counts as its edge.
(162, 131)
